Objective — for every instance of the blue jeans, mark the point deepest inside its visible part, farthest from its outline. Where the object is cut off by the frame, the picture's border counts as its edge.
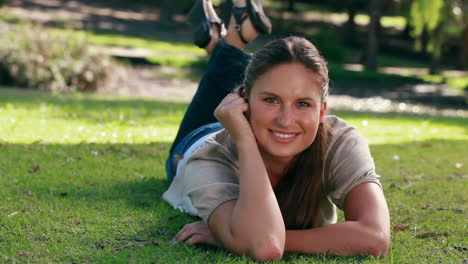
(225, 71)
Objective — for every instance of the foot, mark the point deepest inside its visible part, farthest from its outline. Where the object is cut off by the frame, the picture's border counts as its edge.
(218, 31)
(207, 27)
(247, 29)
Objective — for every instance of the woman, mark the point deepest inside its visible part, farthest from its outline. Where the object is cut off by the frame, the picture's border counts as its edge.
(268, 177)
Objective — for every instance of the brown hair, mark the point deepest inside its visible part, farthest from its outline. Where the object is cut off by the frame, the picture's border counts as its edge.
(299, 192)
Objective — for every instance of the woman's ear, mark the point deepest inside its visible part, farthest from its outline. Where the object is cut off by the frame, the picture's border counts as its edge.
(243, 94)
(322, 111)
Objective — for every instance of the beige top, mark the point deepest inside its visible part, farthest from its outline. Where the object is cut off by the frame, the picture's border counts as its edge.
(208, 174)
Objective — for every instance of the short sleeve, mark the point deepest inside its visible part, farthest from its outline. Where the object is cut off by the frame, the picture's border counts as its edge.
(348, 163)
(209, 185)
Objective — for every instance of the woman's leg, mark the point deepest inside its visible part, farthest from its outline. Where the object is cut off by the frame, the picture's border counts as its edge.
(224, 73)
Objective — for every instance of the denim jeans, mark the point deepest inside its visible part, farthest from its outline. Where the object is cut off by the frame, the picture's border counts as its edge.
(225, 71)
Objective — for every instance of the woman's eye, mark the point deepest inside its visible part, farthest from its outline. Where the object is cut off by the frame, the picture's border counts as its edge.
(303, 104)
(270, 100)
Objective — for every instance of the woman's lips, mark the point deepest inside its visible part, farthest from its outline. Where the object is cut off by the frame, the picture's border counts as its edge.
(283, 137)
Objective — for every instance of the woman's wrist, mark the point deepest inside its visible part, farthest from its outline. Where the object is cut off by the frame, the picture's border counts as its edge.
(245, 140)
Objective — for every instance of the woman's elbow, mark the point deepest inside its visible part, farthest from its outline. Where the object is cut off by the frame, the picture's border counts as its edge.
(267, 252)
(380, 245)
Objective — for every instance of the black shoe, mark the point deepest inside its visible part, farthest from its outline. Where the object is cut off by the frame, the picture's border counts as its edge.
(254, 10)
(203, 32)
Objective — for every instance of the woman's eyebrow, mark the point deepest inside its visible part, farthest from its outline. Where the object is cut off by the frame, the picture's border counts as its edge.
(267, 93)
(307, 98)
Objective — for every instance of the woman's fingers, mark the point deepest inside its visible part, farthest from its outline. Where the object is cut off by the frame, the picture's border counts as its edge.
(194, 240)
(194, 233)
(231, 114)
(230, 103)
(186, 232)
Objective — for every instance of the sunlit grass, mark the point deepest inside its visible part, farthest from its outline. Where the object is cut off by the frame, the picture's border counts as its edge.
(386, 21)
(78, 119)
(147, 42)
(180, 62)
(4, 16)
(454, 81)
(399, 129)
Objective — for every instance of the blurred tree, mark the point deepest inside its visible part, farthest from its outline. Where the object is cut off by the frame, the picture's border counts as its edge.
(167, 10)
(291, 5)
(3, 2)
(372, 37)
(351, 7)
(438, 19)
(463, 58)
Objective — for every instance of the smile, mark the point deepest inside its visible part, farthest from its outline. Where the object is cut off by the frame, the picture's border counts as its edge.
(283, 135)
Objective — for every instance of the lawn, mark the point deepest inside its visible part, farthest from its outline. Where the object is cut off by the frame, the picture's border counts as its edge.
(81, 179)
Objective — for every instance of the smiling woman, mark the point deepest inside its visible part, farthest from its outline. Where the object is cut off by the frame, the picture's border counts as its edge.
(268, 177)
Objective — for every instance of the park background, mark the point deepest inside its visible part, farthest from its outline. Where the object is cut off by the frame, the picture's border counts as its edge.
(92, 92)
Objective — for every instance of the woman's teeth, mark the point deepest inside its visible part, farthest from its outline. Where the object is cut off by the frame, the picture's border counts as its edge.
(283, 135)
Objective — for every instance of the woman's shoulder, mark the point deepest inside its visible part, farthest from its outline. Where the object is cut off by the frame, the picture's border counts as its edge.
(216, 147)
(348, 161)
(339, 129)
(336, 122)
(343, 140)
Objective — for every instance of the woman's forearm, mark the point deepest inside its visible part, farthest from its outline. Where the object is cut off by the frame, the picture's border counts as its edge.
(345, 238)
(256, 217)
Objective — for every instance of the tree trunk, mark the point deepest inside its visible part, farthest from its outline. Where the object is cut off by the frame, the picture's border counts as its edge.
(291, 6)
(407, 31)
(463, 60)
(167, 10)
(372, 38)
(350, 26)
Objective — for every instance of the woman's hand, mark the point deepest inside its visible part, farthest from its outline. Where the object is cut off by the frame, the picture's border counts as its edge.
(196, 232)
(231, 114)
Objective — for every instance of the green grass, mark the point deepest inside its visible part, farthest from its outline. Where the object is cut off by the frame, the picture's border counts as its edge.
(104, 38)
(378, 79)
(4, 16)
(81, 179)
(459, 83)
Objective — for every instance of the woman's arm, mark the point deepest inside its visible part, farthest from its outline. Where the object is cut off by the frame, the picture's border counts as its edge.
(365, 231)
(253, 223)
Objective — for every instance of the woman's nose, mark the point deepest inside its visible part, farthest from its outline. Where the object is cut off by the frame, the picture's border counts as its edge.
(285, 116)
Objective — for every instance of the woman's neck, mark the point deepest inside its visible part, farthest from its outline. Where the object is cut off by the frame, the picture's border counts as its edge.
(276, 167)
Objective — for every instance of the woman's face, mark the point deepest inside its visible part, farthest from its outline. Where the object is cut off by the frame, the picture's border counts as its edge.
(285, 110)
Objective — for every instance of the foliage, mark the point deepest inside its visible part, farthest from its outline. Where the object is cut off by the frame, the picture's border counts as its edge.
(82, 178)
(31, 56)
(436, 18)
(3, 2)
(329, 45)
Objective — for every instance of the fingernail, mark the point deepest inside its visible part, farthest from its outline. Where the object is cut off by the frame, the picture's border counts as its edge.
(173, 242)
